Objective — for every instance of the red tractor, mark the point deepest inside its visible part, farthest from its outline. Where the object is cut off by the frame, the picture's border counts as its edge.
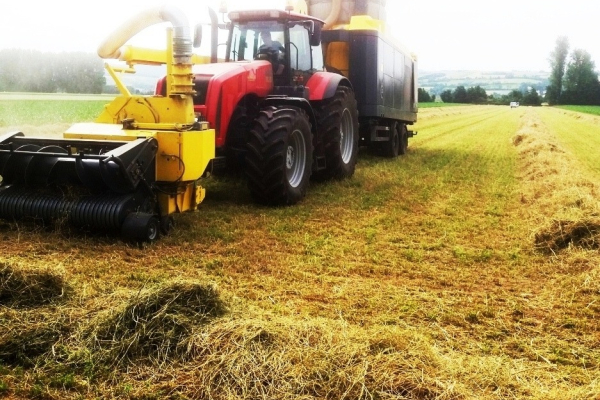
(277, 115)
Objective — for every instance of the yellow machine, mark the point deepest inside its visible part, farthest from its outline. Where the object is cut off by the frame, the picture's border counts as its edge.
(137, 164)
(141, 160)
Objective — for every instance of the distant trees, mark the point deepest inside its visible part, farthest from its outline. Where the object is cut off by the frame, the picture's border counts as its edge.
(478, 95)
(459, 95)
(575, 82)
(557, 60)
(446, 96)
(424, 96)
(36, 71)
(531, 98)
(472, 95)
(581, 84)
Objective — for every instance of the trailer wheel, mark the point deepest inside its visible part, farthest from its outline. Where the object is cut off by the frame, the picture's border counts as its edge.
(337, 122)
(398, 141)
(279, 157)
(403, 140)
(391, 148)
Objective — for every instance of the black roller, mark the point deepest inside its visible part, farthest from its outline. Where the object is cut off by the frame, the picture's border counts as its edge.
(103, 212)
(17, 204)
(16, 164)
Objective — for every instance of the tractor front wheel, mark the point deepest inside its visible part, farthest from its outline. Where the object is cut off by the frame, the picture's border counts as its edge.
(279, 156)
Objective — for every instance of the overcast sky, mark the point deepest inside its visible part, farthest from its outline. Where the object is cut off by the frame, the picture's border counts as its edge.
(493, 35)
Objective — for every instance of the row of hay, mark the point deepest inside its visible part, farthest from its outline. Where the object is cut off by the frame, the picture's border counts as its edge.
(554, 182)
(184, 331)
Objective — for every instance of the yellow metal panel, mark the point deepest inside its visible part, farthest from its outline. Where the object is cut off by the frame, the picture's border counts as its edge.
(365, 22)
(184, 156)
(155, 109)
(136, 108)
(188, 198)
(96, 131)
(173, 109)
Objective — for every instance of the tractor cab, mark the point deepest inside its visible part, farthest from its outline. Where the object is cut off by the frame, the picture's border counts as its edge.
(289, 41)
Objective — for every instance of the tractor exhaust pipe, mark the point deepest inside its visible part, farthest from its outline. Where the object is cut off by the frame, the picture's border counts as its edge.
(182, 43)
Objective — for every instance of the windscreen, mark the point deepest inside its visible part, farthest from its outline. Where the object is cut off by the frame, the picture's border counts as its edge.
(247, 38)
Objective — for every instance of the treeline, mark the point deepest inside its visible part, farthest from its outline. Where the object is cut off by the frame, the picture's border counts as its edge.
(472, 95)
(36, 71)
(478, 95)
(574, 81)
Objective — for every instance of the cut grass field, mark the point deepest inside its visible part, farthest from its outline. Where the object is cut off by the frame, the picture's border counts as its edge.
(468, 268)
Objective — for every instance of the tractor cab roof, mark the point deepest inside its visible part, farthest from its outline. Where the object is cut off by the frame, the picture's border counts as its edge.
(270, 15)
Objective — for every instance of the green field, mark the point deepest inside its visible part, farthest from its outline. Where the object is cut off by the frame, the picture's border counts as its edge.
(438, 104)
(38, 111)
(466, 269)
(583, 109)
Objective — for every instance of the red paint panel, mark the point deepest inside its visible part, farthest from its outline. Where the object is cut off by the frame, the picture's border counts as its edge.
(317, 85)
(228, 84)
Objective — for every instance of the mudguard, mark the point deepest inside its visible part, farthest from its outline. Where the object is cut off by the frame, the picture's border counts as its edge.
(322, 85)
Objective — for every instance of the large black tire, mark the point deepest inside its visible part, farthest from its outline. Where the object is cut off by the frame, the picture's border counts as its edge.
(279, 157)
(403, 139)
(235, 147)
(391, 148)
(398, 142)
(337, 123)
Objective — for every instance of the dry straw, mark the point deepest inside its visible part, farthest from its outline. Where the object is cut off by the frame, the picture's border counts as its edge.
(273, 357)
(21, 287)
(29, 323)
(154, 324)
(566, 198)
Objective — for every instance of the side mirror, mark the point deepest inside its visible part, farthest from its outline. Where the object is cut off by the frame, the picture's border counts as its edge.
(315, 36)
(197, 35)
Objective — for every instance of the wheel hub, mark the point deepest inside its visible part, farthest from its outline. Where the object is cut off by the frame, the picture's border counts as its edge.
(295, 159)
(346, 136)
(289, 162)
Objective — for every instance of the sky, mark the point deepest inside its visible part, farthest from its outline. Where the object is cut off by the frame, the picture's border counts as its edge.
(486, 35)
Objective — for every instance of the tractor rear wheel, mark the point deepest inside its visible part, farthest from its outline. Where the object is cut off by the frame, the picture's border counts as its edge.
(337, 122)
(279, 156)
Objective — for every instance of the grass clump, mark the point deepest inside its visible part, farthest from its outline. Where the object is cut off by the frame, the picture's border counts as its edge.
(27, 335)
(154, 324)
(560, 235)
(30, 324)
(31, 287)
